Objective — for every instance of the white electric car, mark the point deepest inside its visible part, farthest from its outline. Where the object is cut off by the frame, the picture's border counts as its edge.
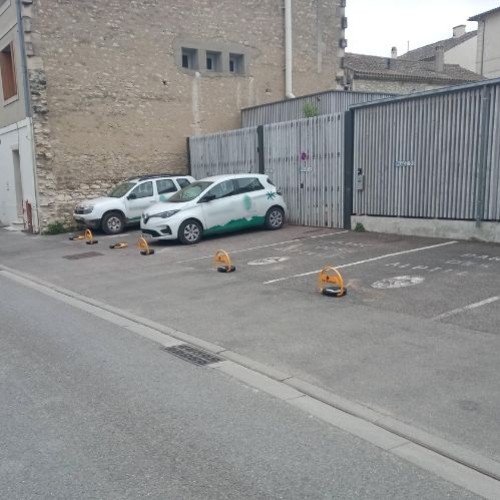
(127, 201)
(216, 205)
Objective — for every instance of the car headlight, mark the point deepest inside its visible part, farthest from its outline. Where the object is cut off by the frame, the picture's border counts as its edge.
(164, 215)
(85, 209)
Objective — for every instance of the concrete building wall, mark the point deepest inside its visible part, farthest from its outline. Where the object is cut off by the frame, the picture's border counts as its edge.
(488, 46)
(17, 181)
(11, 110)
(463, 54)
(392, 86)
(111, 98)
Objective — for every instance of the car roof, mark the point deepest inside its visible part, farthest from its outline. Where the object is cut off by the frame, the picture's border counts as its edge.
(138, 178)
(216, 178)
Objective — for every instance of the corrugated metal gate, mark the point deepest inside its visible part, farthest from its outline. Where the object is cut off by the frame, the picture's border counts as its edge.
(230, 152)
(304, 158)
(433, 155)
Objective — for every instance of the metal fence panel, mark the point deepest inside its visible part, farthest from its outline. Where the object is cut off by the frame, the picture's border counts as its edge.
(231, 152)
(304, 158)
(327, 103)
(421, 157)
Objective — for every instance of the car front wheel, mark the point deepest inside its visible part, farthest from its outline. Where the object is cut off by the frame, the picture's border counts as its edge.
(113, 223)
(275, 218)
(190, 232)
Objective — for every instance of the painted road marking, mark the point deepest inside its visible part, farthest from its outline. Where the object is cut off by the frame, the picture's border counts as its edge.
(366, 261)
(398, 282)
(466, 308)
(270, 245)
(267, 261)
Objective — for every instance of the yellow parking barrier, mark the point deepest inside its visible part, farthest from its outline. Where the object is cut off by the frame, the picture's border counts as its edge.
(331, 282)
(144, 246)
(223, 262)
(76, 237)
(90, 238)
(118, 246)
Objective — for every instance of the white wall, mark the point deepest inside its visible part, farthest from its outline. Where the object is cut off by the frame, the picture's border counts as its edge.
(463, 54)
(17, 136)
(491, 54)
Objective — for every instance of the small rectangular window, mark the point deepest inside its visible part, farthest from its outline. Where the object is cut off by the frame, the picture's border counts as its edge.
(143, 190)
(189, 58)
(183, 182)
(7, 72)
(165, 186)
(214, 61)
(236, 63)
(248, 184)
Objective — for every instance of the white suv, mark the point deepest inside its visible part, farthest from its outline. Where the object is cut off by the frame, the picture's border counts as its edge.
(128, 200)
(216, 205)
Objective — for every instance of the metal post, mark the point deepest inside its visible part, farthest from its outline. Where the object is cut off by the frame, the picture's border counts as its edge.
(348, 167)
(483, 154)
(260, 142)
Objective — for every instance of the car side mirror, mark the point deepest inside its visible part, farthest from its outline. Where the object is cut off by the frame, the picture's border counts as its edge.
(132, 196)
(207, 198)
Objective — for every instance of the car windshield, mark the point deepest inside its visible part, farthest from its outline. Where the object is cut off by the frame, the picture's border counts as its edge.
(190, 192)
(121, 189)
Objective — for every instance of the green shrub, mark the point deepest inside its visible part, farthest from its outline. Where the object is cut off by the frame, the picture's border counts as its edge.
(359, 228)
(57, 227)
(310, 110)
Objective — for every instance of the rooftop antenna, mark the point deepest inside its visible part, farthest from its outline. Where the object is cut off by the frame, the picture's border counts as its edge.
(408, 45)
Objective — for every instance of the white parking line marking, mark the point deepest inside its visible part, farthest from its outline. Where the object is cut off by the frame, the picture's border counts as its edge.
(261, 247)
(466, 308)
(359, 262)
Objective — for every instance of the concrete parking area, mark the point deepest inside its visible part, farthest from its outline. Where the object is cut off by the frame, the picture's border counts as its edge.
(416, 338)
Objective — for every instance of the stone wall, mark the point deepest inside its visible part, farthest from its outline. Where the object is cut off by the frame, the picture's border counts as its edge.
(393, 87)
(111, 98)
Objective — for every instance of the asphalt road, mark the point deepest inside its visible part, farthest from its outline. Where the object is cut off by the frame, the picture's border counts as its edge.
(91, 410)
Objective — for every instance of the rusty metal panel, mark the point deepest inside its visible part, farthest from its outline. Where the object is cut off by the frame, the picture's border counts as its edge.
(304, 158)
(326, 103)
(435, 155)
(231, 152)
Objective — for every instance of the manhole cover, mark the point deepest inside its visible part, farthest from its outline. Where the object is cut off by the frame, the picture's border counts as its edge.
(193, 355)
(398, 282)
(84, 255)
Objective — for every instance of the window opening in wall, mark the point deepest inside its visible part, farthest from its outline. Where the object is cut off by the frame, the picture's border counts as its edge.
(236, 63)
(214, 61)
(7, 72)
(189, 58)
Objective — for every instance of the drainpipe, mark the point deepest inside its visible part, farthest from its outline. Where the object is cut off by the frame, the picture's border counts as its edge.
(27, 107)
(288, 51)
(26, 89)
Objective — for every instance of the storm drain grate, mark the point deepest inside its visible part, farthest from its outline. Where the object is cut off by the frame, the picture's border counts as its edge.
(85, 255)
(193, 355)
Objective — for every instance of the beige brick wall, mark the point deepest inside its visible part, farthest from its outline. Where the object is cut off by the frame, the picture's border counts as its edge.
(111, 99)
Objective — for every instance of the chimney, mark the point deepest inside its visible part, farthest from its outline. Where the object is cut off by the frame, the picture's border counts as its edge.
(394, 53)
(459, 31)
(439, 59)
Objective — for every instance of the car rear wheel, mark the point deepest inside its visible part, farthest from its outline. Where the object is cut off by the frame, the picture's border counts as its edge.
(275, 218)
(113, 223)
(190, 232)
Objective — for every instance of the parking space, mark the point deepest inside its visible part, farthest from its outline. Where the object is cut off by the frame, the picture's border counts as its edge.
(416, 336)
(449, 281)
